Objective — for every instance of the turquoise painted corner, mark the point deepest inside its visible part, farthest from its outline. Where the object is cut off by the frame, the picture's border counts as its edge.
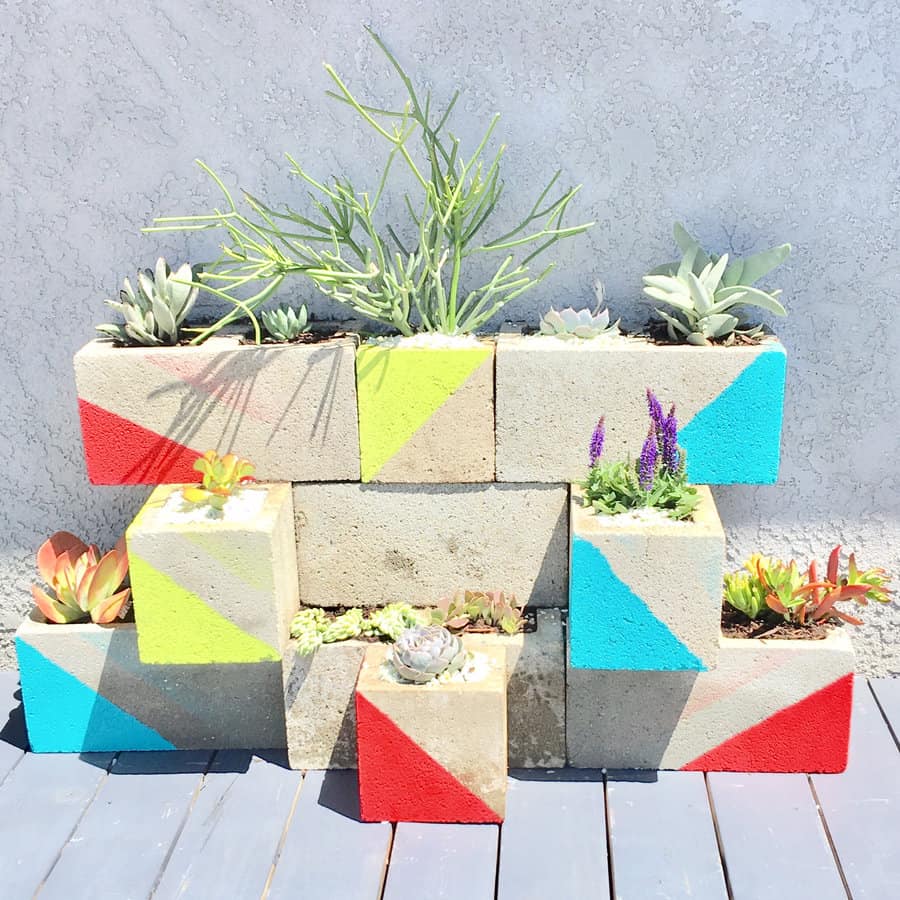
(736, 438)
(610, 627)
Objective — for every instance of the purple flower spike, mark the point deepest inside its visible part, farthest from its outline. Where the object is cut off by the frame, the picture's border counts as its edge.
(597, 437)
(654, 407)
(647, 462)
(670, 454)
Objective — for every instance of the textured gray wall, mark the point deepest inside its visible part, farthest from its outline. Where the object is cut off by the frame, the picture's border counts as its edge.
(754, 122)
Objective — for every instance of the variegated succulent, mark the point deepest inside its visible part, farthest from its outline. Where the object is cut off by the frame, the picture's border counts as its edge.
(491, 609)
(222, 476)
(424, 652)
(580, 323)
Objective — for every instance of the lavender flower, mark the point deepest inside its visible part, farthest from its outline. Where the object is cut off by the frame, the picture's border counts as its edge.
(647, 462)
(596, 447)
(670, 454)
(654, 407)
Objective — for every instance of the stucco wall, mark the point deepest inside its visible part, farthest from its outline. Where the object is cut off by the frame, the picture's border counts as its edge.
(754, 122)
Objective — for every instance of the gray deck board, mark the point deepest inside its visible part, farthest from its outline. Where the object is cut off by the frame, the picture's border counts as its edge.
(553, 842)
(324, 833)
(662, 837)
(13, 741)
(887, 691)
(442, 862)
(41, 802)
(121, 843)
(862, 805)
(230, 842)
(773, 841)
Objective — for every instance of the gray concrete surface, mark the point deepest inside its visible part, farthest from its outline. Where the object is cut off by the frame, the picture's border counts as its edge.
(754, 122)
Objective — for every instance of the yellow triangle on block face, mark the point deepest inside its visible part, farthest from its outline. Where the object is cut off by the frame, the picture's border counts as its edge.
(399, 389)
(177, 627)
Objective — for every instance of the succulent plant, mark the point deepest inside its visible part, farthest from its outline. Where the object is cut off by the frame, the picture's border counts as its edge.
(311, 627)
(343, 627)
(154, 312)
(390, 621)
(83, 583)
(704, 289)
(424, 652)
(494, 609)
(222, 476)
(580, 323)
(285, 323)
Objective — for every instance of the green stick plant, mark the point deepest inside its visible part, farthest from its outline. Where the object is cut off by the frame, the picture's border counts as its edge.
(409, 283)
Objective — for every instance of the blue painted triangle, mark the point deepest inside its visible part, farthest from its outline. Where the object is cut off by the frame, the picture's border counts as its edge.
(65, 716)
(736, 438)
(610, 627)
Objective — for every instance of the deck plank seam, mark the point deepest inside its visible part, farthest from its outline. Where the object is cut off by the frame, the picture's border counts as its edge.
(890, 727)
(12, 768)
(279, 847)
(719, 843)
(385, 869)
(829, 838)
(610, 864)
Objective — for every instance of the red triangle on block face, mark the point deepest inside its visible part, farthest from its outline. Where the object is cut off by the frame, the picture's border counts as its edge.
(119, 451)
(811, 735)
(400, 782)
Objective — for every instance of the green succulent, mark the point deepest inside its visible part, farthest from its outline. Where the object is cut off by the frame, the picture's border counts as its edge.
(154, 312)
(704, 290)
(495, 609)
(285, 323)
(614, 487)
(311, 627)
(424, 652)
(390, 621)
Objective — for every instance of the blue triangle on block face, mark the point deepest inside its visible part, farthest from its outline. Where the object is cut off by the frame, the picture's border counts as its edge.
(610, 627)
(65, 716)
(736, 438)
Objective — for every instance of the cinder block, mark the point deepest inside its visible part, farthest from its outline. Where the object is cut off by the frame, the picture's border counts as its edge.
(426, 414)
(536, 691)
(769, 706)
(218, 591)
(645, 596)
(365, 545)
(147, 413)
(84, 688)
(431, 753)
(549, 394)
(318, 705)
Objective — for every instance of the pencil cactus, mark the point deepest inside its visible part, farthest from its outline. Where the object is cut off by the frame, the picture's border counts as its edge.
(424, 652)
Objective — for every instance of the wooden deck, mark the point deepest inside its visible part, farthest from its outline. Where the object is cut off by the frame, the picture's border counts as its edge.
(230, 825)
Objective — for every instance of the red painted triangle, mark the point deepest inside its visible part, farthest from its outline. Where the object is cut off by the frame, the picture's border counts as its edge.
(400, 782)
(119, 451)
(809, 736)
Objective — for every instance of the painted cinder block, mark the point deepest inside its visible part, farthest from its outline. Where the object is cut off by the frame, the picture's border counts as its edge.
(319, 712)
(84, 688)
(147, 413)
(645, 596)
(549, 394)
(426, 414)
(431, 753)
(769, 706)
(365, 545)
(217, 591)
(536, 691)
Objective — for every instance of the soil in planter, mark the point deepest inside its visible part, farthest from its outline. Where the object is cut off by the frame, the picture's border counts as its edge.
(308, 337)
(736, 625)
(658, 333)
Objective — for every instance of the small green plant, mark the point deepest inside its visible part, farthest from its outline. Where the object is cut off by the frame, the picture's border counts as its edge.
(155, 311)
(704, 290)
(311, 627)
(657, 480)
(424, 652)
(285, 323)
(431, 274)
(488, 609)
(771, 589)
(581, 323)
(222, 476)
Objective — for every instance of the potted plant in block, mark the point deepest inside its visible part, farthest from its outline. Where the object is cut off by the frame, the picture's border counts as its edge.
(728, 373)
(431, 730)
(429, 385)
(646, 554)
(154, 392)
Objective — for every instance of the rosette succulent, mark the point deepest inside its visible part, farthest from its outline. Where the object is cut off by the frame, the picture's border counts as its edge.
(222, 476)
(285, 323)
(580, 323)
(426, 651)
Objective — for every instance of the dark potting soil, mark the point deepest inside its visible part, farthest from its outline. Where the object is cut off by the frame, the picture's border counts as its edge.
(736, 625)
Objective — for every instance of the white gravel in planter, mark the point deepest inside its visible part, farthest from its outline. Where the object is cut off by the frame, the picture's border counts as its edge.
(646, 515)
(240, 507)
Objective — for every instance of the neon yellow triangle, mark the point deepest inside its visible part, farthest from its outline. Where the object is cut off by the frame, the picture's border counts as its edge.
(175, 626)
(399, 389)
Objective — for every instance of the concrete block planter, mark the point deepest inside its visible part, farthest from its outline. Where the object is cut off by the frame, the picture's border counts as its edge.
(431, 753)
(426, 414)
(84, 688)
(549, 394)
(147, 413)
(215, 591)
(769, 706)
(536, 691)
(645, 596)
(365, 545)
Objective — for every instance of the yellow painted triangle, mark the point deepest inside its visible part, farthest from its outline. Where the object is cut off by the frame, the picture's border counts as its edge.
(399, 389)
(177, 627)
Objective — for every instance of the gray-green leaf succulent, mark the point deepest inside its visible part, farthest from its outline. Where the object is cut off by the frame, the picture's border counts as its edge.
(285, 323)
(425, 652)
(580, 323)
(155, 311)
(703, 291)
